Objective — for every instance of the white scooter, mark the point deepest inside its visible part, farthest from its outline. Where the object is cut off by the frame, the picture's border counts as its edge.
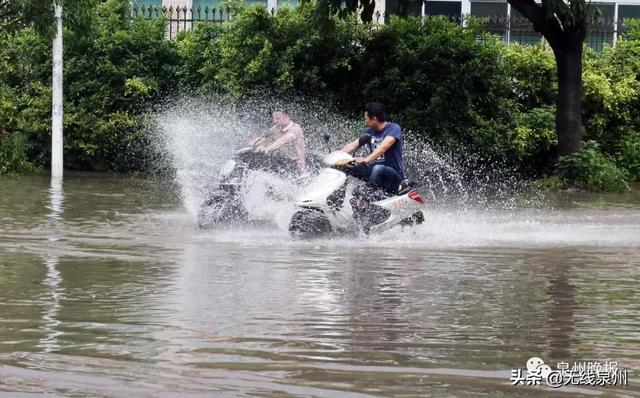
(225, 200)
(321, 206)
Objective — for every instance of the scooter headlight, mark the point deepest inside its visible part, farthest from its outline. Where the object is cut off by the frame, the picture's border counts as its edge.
(227, 169)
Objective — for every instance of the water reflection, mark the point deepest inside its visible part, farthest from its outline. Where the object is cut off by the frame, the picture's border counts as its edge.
(560, 318)
(51, 302)
(56, 201)
(54, 292)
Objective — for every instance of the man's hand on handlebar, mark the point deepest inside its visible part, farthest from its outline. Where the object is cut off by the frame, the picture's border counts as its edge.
(360, 161)
(345, 164)
(256, 142)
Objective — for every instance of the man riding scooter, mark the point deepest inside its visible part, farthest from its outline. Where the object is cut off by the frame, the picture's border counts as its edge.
(386, 200)
(279, 152)
(383, 168)
(282, 149)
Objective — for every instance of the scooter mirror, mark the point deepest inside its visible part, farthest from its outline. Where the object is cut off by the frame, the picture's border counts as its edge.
(327, 138)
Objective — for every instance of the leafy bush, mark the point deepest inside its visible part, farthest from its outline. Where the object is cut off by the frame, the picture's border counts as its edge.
(278, 53)
(632, 29)
(195, 49)
(628, 155)
(535, 139)
(478, 98)
(550, 183)
(113, 72)
(611, 98)
(13, 154)
(25, 57)
(590, 169)
(14, 145)
(9, 114)
(611, 87)
(532, 71)
(441, 83)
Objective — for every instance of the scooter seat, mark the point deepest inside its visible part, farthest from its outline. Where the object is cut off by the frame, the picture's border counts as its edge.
(405, 186)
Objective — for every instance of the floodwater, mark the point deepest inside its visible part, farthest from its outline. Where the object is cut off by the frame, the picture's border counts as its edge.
(108, 289)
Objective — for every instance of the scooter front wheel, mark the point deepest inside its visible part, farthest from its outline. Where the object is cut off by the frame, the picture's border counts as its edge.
(309, 223)
(220, 209)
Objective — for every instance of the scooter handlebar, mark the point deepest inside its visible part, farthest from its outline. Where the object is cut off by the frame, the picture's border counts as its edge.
(243, 150)
(346, 164)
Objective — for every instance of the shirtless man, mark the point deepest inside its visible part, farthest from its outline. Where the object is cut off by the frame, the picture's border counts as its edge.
(286, 140)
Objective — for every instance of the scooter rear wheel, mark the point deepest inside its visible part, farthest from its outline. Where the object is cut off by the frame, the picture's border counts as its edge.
(417, 218)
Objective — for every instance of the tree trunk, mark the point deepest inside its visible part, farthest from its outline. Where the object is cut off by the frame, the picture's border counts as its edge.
(569, 102)
(368, 7)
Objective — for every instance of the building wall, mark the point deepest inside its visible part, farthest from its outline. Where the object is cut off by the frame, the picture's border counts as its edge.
(452, 8)
(613, 12)
(625, 8)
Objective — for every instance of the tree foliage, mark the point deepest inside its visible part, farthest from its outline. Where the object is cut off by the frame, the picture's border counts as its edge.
(564, 25)
(476, 99)
(17, 14)
(276, 53)
(113, 71)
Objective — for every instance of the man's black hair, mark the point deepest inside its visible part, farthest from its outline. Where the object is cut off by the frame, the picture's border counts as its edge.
(376, 109)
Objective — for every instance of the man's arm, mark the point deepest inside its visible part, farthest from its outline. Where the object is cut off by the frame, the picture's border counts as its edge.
(379, 151)
(258, 140)
(255, 141)
(351, 147)
(280, 142)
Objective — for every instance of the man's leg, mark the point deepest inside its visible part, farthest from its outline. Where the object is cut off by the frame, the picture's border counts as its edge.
(361, 193)
(360, 172)
(380, 179)
(384, 177)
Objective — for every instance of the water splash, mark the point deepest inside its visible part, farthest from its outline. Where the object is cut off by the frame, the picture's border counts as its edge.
(197, 137)
(270, 198)
(452, 178)
(199, 134)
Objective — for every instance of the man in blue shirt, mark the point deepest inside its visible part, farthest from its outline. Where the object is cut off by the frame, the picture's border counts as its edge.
(383, 168)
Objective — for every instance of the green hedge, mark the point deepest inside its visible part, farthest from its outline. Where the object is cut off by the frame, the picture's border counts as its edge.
(456, 88)
(590, 169)
(112, 73)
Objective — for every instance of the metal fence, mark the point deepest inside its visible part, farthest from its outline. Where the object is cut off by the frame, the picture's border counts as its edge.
(512, 29)
(182, 18)
(517, 29)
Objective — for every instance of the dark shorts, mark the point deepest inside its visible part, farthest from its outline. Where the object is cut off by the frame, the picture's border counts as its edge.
(271, 162)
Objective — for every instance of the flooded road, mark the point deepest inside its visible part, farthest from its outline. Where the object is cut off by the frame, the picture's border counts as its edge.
(108, 289)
